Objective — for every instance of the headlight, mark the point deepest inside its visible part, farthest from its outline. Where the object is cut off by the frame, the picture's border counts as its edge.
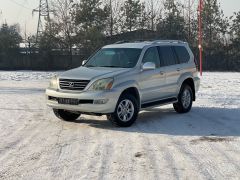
(53, 83)
(102, 84)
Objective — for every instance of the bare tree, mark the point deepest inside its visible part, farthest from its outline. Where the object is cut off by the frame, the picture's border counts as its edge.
(190, 14)
(62, 10)
(114, 16)
(154, 9)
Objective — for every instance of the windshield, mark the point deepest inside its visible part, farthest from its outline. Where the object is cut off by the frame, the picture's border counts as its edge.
(115, 57)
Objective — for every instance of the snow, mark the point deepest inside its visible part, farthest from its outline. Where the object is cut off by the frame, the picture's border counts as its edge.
(203, 144)
(26, 75)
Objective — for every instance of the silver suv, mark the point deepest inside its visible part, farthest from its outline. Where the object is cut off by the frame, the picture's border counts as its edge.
(121, 79)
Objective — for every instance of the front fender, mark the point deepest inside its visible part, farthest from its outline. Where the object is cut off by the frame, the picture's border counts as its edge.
(128, 84)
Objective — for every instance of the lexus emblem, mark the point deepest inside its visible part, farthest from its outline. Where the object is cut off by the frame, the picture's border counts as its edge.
(71, 84)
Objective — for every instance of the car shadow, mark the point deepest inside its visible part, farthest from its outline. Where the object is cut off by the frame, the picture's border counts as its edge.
(201, 121)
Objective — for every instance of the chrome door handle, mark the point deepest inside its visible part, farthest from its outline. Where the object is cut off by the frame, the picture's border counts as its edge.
(161, 73)
(178, 69)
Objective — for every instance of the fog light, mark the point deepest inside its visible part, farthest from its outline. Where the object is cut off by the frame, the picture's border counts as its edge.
(100, 101)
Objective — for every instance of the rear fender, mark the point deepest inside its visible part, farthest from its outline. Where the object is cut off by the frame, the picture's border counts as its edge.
(182, 78)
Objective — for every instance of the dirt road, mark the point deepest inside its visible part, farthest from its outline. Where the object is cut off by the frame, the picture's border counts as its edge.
(204, 144)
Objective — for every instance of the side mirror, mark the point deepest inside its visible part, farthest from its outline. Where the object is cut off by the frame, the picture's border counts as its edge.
(84, 62)
(148, 66)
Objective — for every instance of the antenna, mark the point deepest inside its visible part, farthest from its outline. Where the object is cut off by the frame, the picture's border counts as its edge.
(43, 11)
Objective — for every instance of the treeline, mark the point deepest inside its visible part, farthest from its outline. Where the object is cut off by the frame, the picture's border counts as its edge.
(10, 39)
(89, 24)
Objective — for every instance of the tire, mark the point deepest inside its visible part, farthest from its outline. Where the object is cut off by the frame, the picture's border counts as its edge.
(185, 99)
(66, 115)
(126, 111)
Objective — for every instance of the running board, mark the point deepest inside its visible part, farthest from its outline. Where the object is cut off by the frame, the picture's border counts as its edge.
(159, 102)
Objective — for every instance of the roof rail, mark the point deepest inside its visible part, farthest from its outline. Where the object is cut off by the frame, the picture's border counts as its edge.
(150, 41)
(141, 40)
(133, 41)
(168, 41)
(121, 42)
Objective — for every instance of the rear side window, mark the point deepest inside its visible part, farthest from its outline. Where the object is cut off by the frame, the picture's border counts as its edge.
(182, 54)
(167, 56)
(151, 55)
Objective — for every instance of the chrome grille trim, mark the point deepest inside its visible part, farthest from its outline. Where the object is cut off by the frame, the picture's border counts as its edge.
(73, 84)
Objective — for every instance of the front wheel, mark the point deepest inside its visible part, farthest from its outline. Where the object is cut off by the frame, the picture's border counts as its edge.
(66, 115)
(126, 111)
(185, 99)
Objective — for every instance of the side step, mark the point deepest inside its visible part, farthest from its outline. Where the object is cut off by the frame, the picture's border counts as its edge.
(159, 102)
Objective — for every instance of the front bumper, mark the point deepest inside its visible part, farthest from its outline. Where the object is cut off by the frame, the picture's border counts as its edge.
(109, 107)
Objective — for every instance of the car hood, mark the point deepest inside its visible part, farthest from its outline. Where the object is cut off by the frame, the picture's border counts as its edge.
(89, 73)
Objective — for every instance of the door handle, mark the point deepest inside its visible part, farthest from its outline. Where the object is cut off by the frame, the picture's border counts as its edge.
(178, 69)
(161, 73)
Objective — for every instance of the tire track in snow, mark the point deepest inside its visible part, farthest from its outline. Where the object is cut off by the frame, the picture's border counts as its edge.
(89, 170)
(23, 138)
(150, 152)
(105, 160)
(175, 148)
(193, 160)
(24, 155)
(217, 150)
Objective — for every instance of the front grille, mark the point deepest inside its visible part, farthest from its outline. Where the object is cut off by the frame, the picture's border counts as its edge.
(73, 84)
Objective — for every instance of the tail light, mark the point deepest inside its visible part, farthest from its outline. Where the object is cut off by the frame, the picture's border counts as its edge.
(195, 61)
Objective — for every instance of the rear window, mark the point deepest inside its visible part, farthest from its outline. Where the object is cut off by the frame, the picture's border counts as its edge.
(182, 54)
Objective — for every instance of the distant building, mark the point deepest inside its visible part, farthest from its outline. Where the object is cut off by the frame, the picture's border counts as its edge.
(26, 48)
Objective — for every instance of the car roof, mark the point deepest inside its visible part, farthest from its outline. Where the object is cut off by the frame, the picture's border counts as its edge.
(141, 45)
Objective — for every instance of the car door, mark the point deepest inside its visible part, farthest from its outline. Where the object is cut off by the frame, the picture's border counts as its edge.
(172, 69)
(152, 81)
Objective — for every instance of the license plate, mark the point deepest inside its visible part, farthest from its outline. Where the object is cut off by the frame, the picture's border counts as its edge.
(68, 101)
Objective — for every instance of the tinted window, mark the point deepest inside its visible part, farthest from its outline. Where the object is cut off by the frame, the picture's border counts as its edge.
(115, 57)
(167, 56)
(151, 55)
(182, 54)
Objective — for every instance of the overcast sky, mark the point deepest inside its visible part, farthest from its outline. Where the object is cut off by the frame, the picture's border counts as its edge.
(20, 11)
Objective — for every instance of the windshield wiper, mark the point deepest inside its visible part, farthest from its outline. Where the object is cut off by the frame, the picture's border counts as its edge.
(110, 66)
(90, 66)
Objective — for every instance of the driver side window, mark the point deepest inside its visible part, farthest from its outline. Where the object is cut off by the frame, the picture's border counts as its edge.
(151, 55)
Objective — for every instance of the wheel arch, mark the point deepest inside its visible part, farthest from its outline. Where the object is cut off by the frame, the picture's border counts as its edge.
(133, 91)
(189, 81)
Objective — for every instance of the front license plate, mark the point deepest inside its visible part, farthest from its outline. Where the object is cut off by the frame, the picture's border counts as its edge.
(68, 101)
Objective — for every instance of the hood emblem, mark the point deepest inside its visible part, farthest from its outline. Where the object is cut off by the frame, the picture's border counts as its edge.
(71, 84)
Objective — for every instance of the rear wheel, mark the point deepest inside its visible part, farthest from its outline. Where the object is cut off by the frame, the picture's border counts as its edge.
(126, 111)
(185, 99)
(66, 115)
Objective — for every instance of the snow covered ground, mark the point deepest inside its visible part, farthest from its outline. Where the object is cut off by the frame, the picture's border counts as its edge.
(203, 144)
